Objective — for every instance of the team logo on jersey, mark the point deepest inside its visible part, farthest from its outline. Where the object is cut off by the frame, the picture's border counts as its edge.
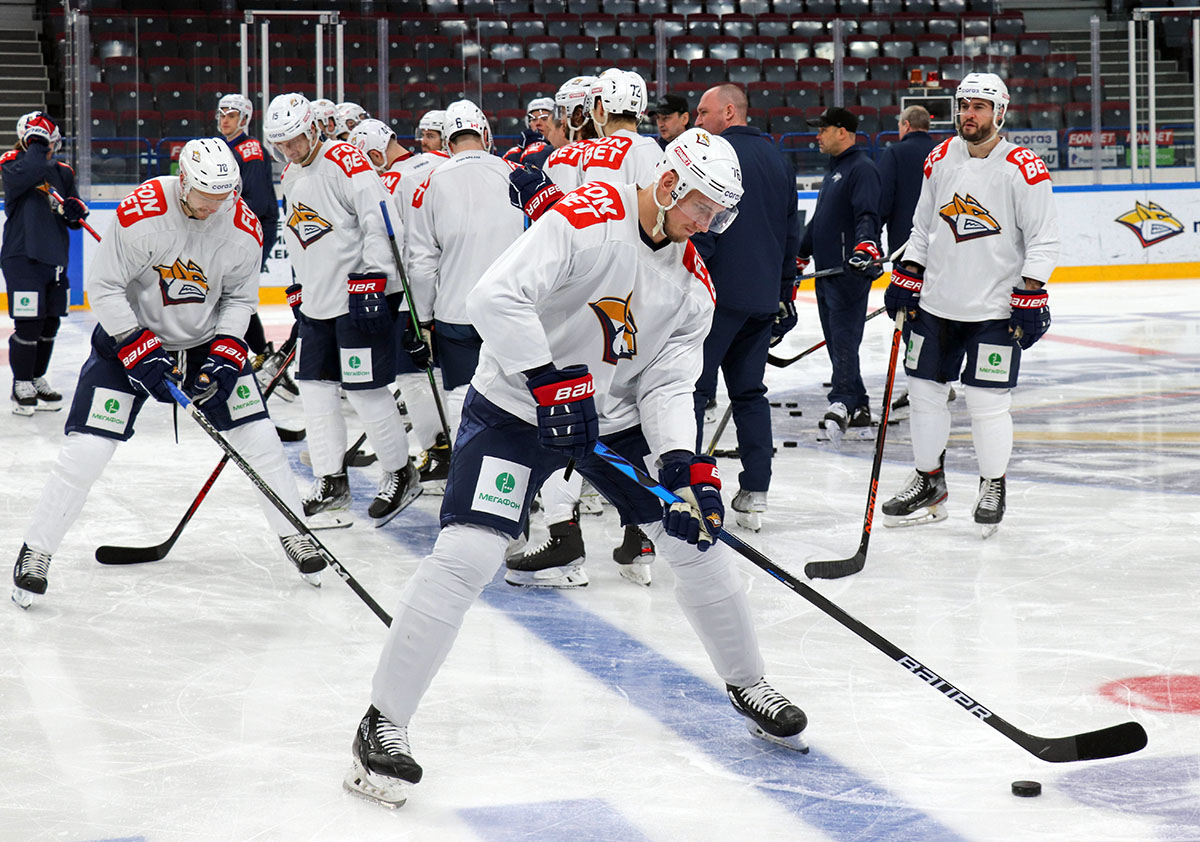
(968, 219)
(181, 283)
(1151, 223)
(620, 331)
(307, 224)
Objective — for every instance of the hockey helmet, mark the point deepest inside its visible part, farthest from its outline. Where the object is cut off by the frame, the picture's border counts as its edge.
(431, 122)
(324, 112)
(573, 94)
(620, 92)
(708, 164)
(465, 116)
(987, 86)
(38, 124)
(350, 114)
(208, 164)
(541, 104)
(237, 104)
(372, 136)
(289, 116)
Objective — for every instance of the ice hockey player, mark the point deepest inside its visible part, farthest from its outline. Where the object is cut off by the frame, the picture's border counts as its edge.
(617, 101)
(532, 147)
(429, 131)
(178, 240)
(34, 256)
(560, 368)
(972, 283)
(350, 114)
(570, 112)
(461, 221)
(345, 298)
(325, 113)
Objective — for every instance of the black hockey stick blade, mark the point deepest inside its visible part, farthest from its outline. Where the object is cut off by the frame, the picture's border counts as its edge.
(838, 568)
(1114, 741)
(134, 555)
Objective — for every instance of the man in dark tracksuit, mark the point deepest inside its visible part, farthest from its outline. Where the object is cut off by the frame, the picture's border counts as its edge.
(753, 266)
(844, 232)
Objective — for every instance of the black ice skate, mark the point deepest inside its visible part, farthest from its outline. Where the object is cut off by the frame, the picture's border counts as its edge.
(384, 769)
(327, 503)
(557, 563)
(769, 715)
(920, 501)
(48, 400)
(30, 576)
(989, 506)
(635, 555)
(435, 465)
(833, 426)
(396, 490)
(302, 552)
(748, 507)
(24, 397)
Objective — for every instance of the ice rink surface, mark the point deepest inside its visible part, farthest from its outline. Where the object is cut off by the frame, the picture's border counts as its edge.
(213, 695)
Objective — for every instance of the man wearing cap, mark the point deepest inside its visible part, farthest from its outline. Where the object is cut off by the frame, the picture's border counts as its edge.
(844, 233)
(673, 118)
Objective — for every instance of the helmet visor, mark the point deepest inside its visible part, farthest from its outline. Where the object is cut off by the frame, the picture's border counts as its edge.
(706, 213)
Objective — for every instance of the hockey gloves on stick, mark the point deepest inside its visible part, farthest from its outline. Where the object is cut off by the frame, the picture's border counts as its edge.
(698, 516)
(1030, 317)
(73, 211)
(294, 298)
(416, 345)
(904, 291)
(865, 260)
(147, 364)
(532, 191)
(368, 305)
(219, 375)
(802, 265)
(786, 318)
(566, 411)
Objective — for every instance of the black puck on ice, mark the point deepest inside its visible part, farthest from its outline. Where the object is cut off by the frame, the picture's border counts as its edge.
(795, 413)
(776, 404)
(790, 444)
(791, 404)
(1026, 789)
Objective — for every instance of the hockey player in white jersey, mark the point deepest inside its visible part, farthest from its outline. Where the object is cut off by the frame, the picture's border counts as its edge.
(177, 274)
(984, 242)
(350, 114)
(617, 101)
(461, 221)
(592, 324)
(429, 131)
(346, 297)
(325, 113)
(571, 113)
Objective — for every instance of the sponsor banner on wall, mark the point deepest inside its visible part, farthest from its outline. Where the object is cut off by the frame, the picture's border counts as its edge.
(1043, 142)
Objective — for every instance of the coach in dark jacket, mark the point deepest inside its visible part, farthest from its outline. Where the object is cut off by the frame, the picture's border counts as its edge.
(844, 233)
(753, 266)
(901, 173)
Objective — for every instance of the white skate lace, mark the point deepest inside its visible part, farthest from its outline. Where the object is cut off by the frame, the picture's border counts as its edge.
(763, 698)
(914, 489)
(298, 546)
(34, 563)
(24, 389)
(390, 484)
(321, 488)
(989, 495)
(393, 739)
(42, 387)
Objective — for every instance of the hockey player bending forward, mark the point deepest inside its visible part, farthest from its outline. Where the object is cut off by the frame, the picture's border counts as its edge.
(178, 272)
(984, 242)
(561, 366)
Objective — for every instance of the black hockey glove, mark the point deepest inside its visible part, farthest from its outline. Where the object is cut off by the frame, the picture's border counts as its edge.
(786, 318)
(566, 411)
(147, 364)
(416, 346)
(904, 291)
(73, 210)
(865, 260)
(368, 307)
(532, 191)
(1030, 317)
(295, 297)
(698, 517)
(219, 375)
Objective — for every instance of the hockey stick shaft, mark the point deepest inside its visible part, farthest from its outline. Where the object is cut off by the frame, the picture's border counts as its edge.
(416, 320)
(784, 362)
(1113, 741)
(840, 270)
(83, 222)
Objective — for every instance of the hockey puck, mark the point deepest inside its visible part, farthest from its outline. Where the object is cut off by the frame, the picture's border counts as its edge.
(795, 413)
(791, 444)
(791, 404)
(1026, 789)
(776, 404)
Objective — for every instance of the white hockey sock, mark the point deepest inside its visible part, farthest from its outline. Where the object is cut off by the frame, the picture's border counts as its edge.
(991, 428)
(430, 613)
(929, 422)
(377, 410)
(81, 460)
(258, 444)
(561, 496)
(422, 411)
(325, 425)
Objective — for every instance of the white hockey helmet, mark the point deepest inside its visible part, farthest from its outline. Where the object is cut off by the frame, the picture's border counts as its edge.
(324, 110)
(706, 163)
(431, 122)
(573, 94)
(372, 136)
(350, 114)
(208, 164)
(542, 103)
(465, 116)
(289, 116)
(987, 86)
(620, 92)
(38, 124)
(237, 104)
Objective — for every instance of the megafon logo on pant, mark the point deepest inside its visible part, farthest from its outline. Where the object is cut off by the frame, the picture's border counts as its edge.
(1151, 223)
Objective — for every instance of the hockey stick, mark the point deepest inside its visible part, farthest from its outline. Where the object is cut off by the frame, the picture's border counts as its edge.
(83, 223)
(268, 492)
(836, 569)
(784, 362)
(1113, 741)
(416, 322)
(841, 270)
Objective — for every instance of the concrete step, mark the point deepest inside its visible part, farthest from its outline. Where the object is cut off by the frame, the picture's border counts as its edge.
(20, 59)
(23, 84)
(22, 71)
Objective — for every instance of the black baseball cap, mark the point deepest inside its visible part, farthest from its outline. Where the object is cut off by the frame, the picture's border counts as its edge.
(834, 116)
(671, 104)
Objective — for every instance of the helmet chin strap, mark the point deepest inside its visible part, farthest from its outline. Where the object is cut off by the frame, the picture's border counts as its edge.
(661, 218)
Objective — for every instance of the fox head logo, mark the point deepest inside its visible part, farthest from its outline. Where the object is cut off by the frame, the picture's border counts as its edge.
(307, 224)
(968, 219)
(1151, 223)
(620, 331)
(181, 283)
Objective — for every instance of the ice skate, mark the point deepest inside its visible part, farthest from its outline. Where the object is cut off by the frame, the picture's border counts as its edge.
(989, 506)
(435, 466)
(48, 400)
(635, 555)
(833, 426)
(769, 715)
(302, 552)
(861, 426)
(590, 501)
(920, 501)
(30, 576)
(24, 397)
(557, 563)
(901, 408)
(384, 770)
(327, 503)
(748, 507)
(397, 490)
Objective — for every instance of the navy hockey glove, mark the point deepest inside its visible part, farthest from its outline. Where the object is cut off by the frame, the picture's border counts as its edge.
(73, 210)
(368, 306)
(566, 411)
(148, 365)
(865, 260)
(415, 345)
(786, 318)
(532, 191)
(529, 137)
(698, 517)
(219, 375)
(1030, 317)
(904, 291)
(294, 299)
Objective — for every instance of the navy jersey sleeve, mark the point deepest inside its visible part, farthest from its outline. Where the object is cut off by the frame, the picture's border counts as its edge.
(864, 202)
(887, 184)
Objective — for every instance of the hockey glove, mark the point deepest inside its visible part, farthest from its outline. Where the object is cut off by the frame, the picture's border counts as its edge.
(698, 517)
(566, 411)
(294, 299)
(904, 291)
(786, 318)
(416, 346)
(865, 260)
(73, 211)
(1030, 317)
(368, 308)
(532, 191)
(219, 375)
(147, 364)
(802, 265)
(529, 137)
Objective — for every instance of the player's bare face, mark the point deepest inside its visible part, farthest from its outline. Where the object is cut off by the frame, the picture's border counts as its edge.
(540, 122)
(431, 141)
(297, 150)
(975, 120)
(229, 123)
(201, 205)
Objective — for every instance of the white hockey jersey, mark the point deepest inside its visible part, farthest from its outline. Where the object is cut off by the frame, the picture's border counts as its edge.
(334, 227)
(583, 287)
(402, 179)
(981, 224)
(185, 279)
(562, 167)
(624, 157)
(462, 220)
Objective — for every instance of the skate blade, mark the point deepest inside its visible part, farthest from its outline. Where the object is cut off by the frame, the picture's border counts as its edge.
(435, 487)
(748, 520)
(638, 573)
(329, 519)
(305, 458)
(560, 578)
(23, 410)
(796, 742)
(931, 515)
(388, 792)
(404, 504)
(313, 579)
(22, 597)
(987, 530)
(48, 407)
